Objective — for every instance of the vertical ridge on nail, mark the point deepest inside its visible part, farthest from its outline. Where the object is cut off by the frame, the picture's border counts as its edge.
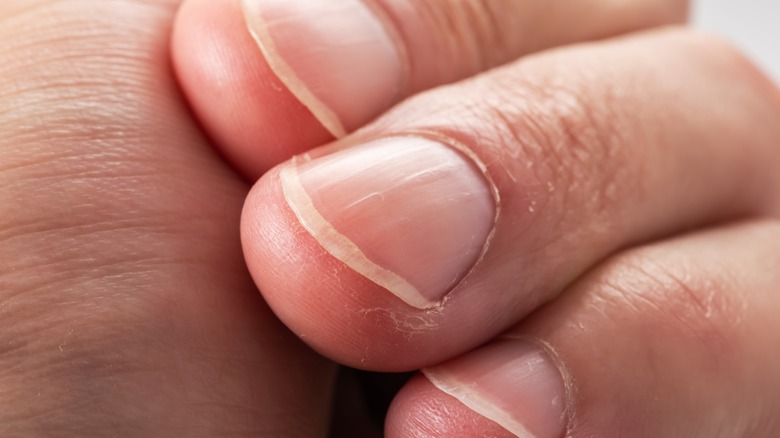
(451, 386)
(338, 245)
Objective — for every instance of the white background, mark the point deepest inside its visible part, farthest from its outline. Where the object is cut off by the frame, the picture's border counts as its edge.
(753, 25)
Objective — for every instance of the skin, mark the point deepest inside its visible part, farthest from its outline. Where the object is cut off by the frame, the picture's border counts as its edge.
(127, 309)
(644, 337)
(650, 187)
(229, 82)
(694, 174)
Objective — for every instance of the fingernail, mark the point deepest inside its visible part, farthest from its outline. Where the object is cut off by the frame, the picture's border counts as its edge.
(410, 214)
(338, 57)
(512, 382)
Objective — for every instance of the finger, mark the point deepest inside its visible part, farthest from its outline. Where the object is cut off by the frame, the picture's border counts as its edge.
(125, 309)
(325, 68)
(676, 340)
(463, 210)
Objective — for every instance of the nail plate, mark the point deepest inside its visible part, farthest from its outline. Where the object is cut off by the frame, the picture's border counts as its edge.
(338, 57)
(513, 382)
(411, 214)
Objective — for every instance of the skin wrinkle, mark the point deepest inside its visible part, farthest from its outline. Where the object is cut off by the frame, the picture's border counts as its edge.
(104, 300)
(456, 33)
(466, 30)
(474, 35)
(579, 136)
(482, 18)
(642, 284)
(450, 27)
(562, 122)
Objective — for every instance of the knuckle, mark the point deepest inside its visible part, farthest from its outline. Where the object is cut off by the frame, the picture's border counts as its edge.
(689, 307)
(746, 87)
(569, 135)
(535, 122)
(719, 55)
(475, 32)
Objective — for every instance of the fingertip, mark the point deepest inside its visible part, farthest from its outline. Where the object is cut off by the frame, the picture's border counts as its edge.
(421, 409)
(252, 117)
(337, 311)
(322, 275)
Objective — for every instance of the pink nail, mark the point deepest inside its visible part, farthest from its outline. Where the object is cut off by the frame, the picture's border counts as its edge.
(408, 213)
(512, 382)
(336, 56)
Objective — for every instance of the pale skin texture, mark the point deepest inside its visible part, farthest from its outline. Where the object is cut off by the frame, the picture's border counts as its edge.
(127, 310)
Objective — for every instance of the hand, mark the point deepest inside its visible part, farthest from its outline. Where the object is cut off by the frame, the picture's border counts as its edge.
(126, 309)
(125, 306)
(454, 217)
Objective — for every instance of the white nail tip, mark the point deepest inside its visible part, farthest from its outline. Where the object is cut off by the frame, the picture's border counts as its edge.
(341, 247)
(472, 399)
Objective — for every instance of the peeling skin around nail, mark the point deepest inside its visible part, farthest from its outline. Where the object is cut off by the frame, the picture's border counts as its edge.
(339, 245)
(452, 386)
(410, 325)
(259, 31)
